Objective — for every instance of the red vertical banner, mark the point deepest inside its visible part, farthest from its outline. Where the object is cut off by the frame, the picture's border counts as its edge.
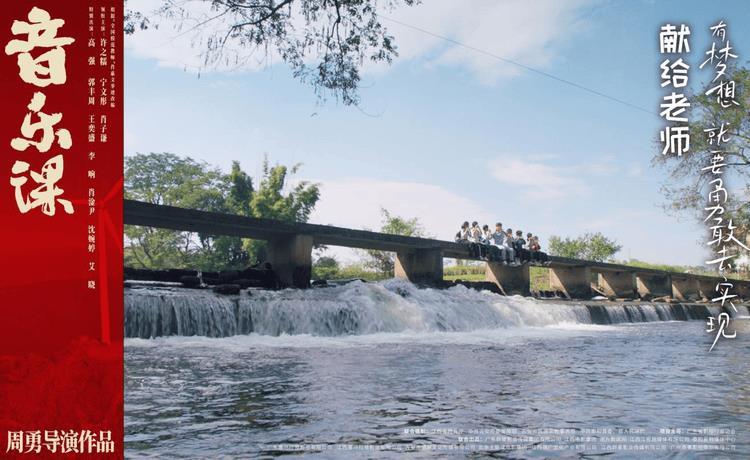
(61, 331)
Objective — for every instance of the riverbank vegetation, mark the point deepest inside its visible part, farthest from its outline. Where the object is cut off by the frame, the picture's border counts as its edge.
(384, 262)
(324, 43)
(168, 179)
(538, 276)
(589, 246)
(687, 180)
(695, 270)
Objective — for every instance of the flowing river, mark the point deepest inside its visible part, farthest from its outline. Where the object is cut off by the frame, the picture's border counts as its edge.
(376, 370)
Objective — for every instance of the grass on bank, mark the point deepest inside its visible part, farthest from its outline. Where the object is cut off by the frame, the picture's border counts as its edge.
(694, 270)
(539, 276)
(476, 272)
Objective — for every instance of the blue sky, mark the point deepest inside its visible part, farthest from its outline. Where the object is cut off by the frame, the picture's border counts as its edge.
(447, 134)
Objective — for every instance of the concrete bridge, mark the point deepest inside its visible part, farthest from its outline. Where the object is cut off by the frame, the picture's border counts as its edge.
(420, 260)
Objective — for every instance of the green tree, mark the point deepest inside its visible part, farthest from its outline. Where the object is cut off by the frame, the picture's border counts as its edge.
(240, 190)
(165, 178)
(686, 183)
(232, 251)
(324, 42)
(384, 262)
(589, 246)
(325, 268)
(272, 200)
(275, 199)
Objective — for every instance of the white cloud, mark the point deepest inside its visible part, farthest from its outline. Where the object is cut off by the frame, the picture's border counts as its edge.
(635, 170)
(538, 180)
(527, 32)
(180, 43)
(518, 30)
(356, 203)
(605, 165)
(535, 181)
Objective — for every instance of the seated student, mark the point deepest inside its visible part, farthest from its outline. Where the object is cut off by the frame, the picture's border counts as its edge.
(540, 256)
(533, 247)
(509, 244)
(486, 234)
(498, 240)
(463, 234)
(493, 253)
(475, 233)
(521, 252)
(474, 237)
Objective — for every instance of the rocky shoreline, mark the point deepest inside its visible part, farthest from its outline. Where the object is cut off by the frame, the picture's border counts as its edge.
(222, 282)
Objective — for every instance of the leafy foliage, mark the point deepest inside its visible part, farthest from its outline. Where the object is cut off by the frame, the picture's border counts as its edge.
(273, 201)
(382, 261)
(325, 268)
(240, 190)
(324, 42)
(589, 246)
(539, 276)
(696, 270)
(687, 182)
(165, 178)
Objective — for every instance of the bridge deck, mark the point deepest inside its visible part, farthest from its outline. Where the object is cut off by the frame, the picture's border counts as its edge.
(213, 223)
(420, 259)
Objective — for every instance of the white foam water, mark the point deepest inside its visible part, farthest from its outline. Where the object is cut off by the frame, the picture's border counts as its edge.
(360, 308)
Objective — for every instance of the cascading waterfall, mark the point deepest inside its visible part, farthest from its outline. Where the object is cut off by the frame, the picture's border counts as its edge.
(154, 312)
(366, 308)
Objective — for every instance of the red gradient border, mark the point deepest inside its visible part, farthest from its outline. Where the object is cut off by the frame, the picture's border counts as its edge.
(61, 343)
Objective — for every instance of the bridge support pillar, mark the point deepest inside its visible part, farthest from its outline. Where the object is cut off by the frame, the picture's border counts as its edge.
(742, 289)
(616, 283)
(511, 280)
(684, 288)
(424, 266)
(574, 282)
(291, 258)
(707, 288)
(653, 285)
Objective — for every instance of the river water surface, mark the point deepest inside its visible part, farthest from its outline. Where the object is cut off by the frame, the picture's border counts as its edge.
(389, 370)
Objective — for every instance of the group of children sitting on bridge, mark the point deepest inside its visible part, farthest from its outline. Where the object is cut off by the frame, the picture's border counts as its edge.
(501, 245)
